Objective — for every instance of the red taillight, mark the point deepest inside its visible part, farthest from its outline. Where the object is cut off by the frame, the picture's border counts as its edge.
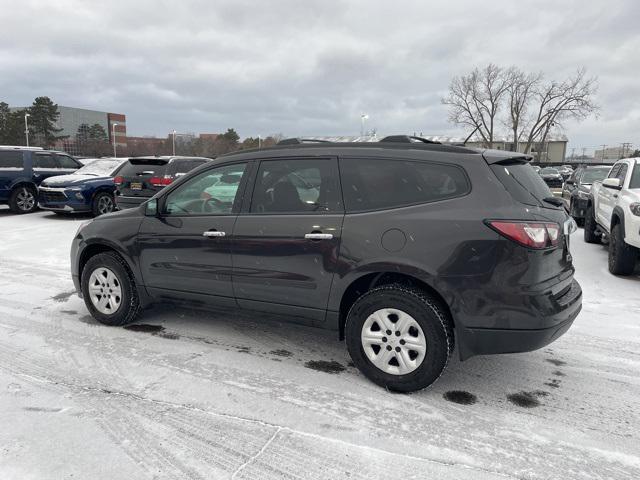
(529, 234)
(160, 182)
(118, 180)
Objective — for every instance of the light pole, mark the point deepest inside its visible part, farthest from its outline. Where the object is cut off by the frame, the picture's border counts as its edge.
(363, 117)
(26, 127)
(174, 143)
(258, 141)
(113, 135)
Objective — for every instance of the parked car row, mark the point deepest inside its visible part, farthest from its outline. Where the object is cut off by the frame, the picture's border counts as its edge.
(404, 249)
(33, 177)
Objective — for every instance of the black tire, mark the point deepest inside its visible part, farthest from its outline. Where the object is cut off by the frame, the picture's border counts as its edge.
(23, 199)
(622, 257)
(129, 306)
(429, 315)
(102, 203)
(590, 226)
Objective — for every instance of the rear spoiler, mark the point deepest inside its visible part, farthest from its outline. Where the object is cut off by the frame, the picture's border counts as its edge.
(503, 156)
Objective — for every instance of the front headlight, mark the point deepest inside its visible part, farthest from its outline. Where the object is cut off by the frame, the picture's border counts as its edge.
(635, 208)
(76, 192)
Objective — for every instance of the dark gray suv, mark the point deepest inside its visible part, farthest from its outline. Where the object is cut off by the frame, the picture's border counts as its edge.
(405, 249)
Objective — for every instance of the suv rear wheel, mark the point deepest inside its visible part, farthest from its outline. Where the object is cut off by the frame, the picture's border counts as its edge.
(590, 235)
(109, 290)
(622, 257)
(23, 200)
(399, 337)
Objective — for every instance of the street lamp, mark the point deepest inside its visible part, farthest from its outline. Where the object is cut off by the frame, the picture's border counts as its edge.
(174, 143)
(113, 136)
(26, 127)
(258, 141)
(363, 117)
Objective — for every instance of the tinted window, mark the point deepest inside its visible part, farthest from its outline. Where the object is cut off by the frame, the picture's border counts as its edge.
(44, 161)
(374, 184)
(66, 161)
(211, 193)
(614, 171)
(296, 186)
(634, 182)
(135, 168)
(522, 182)
(622, 174)
(183, 166)
(10, 159)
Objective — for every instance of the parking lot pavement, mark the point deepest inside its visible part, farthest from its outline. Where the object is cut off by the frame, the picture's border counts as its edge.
(191, 394)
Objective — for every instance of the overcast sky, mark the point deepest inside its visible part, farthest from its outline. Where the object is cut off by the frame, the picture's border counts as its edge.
(310, 67)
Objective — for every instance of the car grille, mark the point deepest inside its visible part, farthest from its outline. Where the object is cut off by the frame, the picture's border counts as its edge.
(53, 196)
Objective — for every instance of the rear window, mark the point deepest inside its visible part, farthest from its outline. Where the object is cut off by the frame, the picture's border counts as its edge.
(372, 184)
(11, 160)
(522, 182)
(143, 167)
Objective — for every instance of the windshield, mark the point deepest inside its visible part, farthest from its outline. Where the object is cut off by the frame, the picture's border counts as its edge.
(102, 168)
(550, 170)
(634, 182)
(593, 175)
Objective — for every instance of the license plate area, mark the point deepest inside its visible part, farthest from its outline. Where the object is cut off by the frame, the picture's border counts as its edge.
(135, 186)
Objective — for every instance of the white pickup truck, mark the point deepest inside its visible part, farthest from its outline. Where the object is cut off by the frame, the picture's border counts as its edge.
(613, 213)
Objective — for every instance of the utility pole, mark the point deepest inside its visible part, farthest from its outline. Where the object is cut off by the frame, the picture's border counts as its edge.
(113, 136)
(174, 143)
(625, 145)
(573, 153)
(26, 127)
(584, 152)
(604, 147)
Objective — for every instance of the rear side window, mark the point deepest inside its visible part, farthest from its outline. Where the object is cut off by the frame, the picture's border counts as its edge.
(377, 184)
(522, 182)
(138, 168)
(66, 161)
(11, 160)
(44, 161)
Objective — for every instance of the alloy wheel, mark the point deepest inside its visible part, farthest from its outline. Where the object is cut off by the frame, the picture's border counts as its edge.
(393, 341)
(105, 291)
(25, 199)
(105, 205)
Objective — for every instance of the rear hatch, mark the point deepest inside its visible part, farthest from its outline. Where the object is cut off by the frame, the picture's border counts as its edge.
(554, 266)
(142, 177)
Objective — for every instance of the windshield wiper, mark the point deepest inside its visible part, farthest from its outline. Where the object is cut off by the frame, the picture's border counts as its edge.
(553, 201)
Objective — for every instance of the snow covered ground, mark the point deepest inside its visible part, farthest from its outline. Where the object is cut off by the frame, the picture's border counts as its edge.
(189, 394)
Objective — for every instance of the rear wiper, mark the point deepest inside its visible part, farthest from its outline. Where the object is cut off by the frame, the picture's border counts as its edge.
(553, 201)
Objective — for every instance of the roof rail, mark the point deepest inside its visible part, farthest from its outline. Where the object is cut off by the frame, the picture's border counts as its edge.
(19, 147)
(299, 141)
(406, 139)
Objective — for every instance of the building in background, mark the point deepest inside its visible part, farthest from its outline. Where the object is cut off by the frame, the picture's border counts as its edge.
(614, 153)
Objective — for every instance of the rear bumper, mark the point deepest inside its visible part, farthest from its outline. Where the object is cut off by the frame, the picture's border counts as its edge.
(56, 207)
(488, 341)
(578, 207)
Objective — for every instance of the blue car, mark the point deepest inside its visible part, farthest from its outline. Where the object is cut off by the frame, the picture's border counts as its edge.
(89, 189)
(22, 169)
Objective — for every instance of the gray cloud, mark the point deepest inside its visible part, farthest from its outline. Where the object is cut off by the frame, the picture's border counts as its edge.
(302, 67)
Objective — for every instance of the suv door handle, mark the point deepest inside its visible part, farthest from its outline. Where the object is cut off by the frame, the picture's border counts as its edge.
(318, 236)
(213, 233)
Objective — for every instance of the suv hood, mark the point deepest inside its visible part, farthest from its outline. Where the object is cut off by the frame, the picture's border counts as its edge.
(69, 180)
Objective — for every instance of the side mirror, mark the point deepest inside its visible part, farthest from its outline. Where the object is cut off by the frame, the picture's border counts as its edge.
(151, 208)
(612, 183)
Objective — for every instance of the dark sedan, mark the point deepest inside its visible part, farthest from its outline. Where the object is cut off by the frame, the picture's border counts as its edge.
(551, 177)
(575, 192)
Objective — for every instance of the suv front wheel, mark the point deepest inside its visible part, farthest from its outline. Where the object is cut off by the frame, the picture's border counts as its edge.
(399, 337)
(109, 290)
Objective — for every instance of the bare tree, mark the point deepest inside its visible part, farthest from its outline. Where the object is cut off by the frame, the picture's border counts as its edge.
(475, 100)
(556, 102)
(520, 89)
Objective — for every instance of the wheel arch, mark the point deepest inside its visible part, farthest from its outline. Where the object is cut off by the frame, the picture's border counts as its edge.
(617, 218)
(369, 280)
(94, 248)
